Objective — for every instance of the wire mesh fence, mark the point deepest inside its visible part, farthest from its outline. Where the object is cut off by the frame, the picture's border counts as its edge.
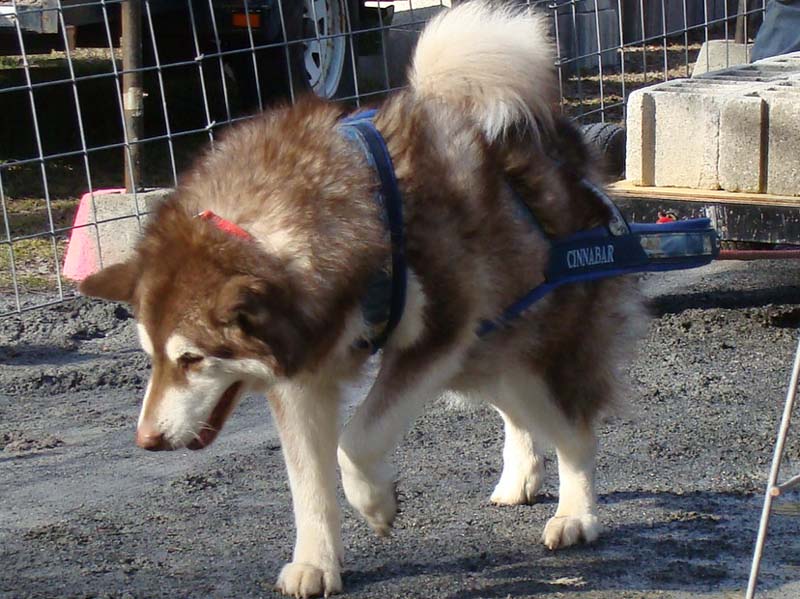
(102, 96)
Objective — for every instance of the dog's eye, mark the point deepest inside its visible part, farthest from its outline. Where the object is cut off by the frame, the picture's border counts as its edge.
(189, 359)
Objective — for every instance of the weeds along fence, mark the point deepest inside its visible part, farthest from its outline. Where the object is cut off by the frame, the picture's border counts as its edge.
(109, 95)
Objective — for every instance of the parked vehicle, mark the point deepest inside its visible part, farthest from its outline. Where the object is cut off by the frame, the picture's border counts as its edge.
(310, 42)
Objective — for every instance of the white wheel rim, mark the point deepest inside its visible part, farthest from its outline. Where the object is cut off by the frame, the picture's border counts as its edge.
(324, 54)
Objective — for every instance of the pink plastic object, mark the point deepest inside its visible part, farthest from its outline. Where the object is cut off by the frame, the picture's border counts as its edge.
(224, 225)
(82, 257)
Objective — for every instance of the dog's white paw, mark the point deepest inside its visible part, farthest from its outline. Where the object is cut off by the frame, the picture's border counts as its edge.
(518, 489)
(375, 497)
(304, 580)
(563, 531)
(376, 503)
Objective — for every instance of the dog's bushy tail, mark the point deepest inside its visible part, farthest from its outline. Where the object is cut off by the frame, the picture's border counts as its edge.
(494, 61)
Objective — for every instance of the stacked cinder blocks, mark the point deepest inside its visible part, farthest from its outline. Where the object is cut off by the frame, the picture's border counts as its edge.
(737, 129)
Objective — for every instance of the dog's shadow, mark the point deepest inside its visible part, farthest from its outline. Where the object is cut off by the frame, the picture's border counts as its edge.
(691, 543)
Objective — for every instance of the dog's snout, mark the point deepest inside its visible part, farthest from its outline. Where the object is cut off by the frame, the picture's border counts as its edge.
(150, 439)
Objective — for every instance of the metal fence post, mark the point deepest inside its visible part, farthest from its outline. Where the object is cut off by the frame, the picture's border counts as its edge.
(741, 26)
(133, 94)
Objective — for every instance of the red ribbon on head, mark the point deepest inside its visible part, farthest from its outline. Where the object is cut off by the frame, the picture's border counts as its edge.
(224, 225)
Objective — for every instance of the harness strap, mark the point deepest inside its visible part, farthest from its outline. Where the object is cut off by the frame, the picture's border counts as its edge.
(390, 286)
(595, 254)
(617, 225)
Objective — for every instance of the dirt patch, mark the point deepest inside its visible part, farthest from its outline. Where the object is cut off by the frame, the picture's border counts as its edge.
(18, 441)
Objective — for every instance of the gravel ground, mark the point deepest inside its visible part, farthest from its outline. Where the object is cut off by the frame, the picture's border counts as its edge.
(83, 513)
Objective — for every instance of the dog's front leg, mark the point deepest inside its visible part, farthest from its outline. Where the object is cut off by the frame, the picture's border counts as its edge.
(404, 384)
(307, 420)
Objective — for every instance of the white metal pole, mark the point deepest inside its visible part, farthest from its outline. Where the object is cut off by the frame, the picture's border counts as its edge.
(773, 475)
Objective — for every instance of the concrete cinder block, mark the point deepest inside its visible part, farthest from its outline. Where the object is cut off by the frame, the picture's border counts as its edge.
(791, 58)
(640, 144)
(720, 54)
(106, 227)
(741, 127)
(783, 162)
(756, 72)
(686, 155)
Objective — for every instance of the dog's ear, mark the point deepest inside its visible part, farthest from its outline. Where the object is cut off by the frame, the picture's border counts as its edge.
(116, 282)
(263, 311)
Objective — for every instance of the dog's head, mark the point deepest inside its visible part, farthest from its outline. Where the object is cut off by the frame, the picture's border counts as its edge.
(220, 313)
(217, 316)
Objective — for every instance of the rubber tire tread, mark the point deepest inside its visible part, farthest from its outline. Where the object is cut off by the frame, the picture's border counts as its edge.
(609, 141)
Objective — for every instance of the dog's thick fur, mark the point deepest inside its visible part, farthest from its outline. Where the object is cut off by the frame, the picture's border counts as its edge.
(221, 315)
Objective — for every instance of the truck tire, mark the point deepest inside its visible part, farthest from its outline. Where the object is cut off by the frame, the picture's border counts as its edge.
(608, 139)
(324, 66)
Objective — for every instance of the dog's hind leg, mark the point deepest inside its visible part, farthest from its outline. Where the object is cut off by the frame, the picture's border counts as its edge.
(529, 396)
(576, 516)
(307, 421)
(523, 464)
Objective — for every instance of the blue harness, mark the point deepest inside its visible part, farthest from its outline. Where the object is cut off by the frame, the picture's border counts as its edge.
(618, 248)
(382, 306)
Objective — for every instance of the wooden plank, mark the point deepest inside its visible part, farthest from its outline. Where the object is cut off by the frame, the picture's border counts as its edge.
(625, 189)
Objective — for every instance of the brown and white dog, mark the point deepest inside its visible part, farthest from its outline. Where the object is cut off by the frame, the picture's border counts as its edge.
(279, 312)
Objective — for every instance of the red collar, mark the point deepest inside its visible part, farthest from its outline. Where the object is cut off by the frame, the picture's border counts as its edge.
(224, 225)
